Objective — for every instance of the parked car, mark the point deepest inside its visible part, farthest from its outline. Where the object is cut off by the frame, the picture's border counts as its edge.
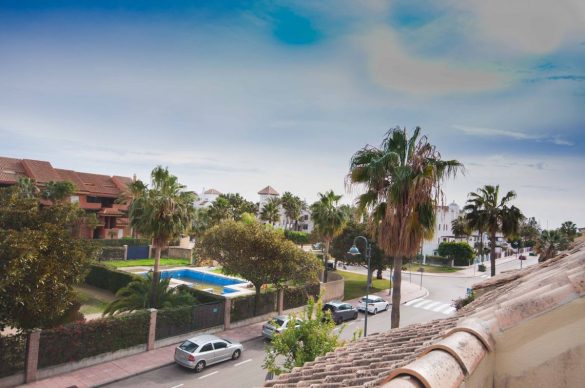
(277, 325)
(375, 304)
(198, 352)
(340, 311)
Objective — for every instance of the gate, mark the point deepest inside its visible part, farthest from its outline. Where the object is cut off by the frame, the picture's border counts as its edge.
(138, 252)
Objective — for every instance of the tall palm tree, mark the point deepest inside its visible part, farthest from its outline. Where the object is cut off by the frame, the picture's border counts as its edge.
(162, 213)
(136, 296)
(58, 191)
(131, 193)
(495, 214)
(402, 181)
(271, 211)
(292, 206)
(549, 243)
(569, 229)
(460, 227)
(329, 219)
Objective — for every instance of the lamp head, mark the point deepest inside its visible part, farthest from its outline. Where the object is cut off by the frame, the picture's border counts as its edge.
(354, 250)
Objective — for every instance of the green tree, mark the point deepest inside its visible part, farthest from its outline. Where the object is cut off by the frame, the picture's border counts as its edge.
(496, 214)
(27, 187)
(137, 296)
(569, 229)
(402, 180)
(529, 232)
(460, 227)
(549, 243)
(58, 191)
(293, 206)
(461, 252)
(40, 260)
(259, 254)
(299, 238)
(131, 193)
(271, 211)
(314, 337)
(329, 220)
(162, 212)
(201, 221)
(229, 207)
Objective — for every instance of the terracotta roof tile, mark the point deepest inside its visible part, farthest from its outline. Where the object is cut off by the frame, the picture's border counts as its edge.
(101, 185)
(212, 191)
(40, 171)
(10, 170)
(268, 190)
(71, 176)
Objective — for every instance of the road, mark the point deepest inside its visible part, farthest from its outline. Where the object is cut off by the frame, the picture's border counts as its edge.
(248, 372)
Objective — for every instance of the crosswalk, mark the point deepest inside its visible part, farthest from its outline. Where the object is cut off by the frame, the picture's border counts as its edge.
(484, 276)
(431, 305)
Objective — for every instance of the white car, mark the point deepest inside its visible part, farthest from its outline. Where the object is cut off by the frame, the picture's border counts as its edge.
(375, 304)
(277, 325)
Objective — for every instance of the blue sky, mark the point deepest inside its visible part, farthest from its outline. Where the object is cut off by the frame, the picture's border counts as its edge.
(239, 95)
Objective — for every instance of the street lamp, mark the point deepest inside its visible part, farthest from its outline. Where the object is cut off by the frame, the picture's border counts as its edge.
(355, 251)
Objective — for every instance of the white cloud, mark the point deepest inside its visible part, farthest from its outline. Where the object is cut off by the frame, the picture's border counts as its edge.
(532, 26)
(391, 67)
(516, 135)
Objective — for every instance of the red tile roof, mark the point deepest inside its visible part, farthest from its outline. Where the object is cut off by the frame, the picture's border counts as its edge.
(10, 170)
(71, 176)
(212, 191)
(100, 185)
(268, 190)
(40, 171)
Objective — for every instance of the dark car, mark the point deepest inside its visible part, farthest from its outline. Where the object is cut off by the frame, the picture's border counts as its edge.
(340, 311)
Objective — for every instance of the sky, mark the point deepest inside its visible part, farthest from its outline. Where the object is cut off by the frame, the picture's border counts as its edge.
(240, 95)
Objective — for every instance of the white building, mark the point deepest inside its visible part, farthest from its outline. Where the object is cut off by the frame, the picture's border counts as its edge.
(207, 198)
(304, 225)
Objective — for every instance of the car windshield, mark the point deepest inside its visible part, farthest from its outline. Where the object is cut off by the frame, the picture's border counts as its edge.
(278, 322)
(188, 346)
(228, 341)
(370, 300)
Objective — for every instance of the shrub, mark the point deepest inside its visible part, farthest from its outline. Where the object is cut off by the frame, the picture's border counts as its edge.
(298, 296)
(12, 354)
(462, 302)
(438, 260)
(300, 238)
(109, 279)
(460, 252)
(481, 268)
(76, 341)
(201, 296)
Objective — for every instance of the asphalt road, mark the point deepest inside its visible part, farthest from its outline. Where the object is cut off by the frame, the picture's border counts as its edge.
(248, 372)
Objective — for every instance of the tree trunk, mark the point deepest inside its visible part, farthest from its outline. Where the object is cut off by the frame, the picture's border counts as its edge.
(379, 273)
(155, 277)
(395, 315)
(493, 254)
(325, 257)
(257, 297)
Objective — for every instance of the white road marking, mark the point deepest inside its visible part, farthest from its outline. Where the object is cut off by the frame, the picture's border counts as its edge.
(207, 375)
(412, 302)
(177, 386)
(442, 307)
(243, 362)
(449, 310)
(422, 303)
(432, 305)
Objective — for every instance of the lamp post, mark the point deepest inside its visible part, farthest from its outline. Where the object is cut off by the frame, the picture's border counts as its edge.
(355, 251)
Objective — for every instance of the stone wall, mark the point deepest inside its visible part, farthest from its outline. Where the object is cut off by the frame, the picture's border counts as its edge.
(334, 287)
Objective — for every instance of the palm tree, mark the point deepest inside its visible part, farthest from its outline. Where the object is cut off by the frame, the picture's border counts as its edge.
(132, 192)
(27, 187)
(329, 220)
(402, 181)
(292, 206)
(136, 296)
(58, 191)
(549, 243)
(163, 212)
(486, 209)
(271, 211)
(569, 229)
(459, 227)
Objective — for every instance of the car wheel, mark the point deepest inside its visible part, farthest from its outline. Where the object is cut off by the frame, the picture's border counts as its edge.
(355, 315)
(236, 354)
(338, 320)
(387, 306)
(200, 366)
(375, 311)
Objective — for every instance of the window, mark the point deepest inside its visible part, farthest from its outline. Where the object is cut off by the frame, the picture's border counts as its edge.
(206, 348)
(219, 345)
(74, 199)
(188, 346)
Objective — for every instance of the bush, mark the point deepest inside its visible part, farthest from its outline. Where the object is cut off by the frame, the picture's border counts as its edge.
(300, 238)
(299, 296)
(460, 252)
(481, 268)
(438, 260)
(122, 241)
(108, 279)
(112, 253)
(462, 302)
(12, 354)
(243, 307)
(76, 341)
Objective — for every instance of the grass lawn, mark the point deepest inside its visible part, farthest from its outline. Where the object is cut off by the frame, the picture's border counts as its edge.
(146, 262)
(91, 302)
(431, 268)
(355, 284)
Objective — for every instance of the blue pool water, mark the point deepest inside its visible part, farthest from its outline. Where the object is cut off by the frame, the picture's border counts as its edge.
(203, 280)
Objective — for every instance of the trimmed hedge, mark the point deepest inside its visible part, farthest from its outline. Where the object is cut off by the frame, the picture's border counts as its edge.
(79, 340)
(122, 241)
(185, 319)
(243, 307)
(438, 260)
(109, 279)
(300, 238)
(112, 253)
(12, 354)
(298, 296)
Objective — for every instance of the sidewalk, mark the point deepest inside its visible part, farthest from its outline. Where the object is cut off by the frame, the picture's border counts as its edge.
(469, 271)
(122, 368)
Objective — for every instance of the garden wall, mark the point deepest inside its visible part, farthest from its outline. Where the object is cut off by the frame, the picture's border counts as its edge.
(112, 253)
(334, 288)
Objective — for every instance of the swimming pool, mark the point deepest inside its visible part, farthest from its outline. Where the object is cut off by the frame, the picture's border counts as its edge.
(218, 284)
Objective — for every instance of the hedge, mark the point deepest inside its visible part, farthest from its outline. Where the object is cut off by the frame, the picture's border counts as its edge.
(107, 278)
(298, 296)
(122, 241)
(112, 253)
(180, 320)
(300, 238)
(243, 307)
(12, 354)
(438, 260)
(79, 340)
(460, 251)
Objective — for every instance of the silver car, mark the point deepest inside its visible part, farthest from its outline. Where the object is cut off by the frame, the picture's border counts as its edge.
(201, 351)
(277, 325)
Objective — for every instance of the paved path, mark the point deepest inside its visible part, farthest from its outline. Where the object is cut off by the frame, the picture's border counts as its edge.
(123, 368)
